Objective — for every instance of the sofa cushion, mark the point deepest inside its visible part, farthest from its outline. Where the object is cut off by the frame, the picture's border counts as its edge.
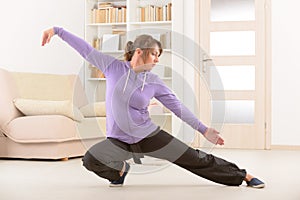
(53, 128)
(45, 128)
(94, 110)
(31, 107)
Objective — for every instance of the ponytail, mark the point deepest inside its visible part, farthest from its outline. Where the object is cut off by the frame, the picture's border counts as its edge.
(129, 51)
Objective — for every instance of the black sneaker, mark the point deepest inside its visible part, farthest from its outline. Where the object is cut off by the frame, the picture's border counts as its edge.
(120, 181)
(255, 183)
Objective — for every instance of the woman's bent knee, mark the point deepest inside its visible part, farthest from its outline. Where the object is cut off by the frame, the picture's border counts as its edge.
(89, 161)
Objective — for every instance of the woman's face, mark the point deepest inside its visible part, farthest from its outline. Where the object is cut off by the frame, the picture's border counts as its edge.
(151, 59)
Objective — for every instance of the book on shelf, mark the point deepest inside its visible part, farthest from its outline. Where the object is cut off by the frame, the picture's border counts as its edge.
(98, 16)
(97, 43)
(169, 11)
(151, 13)
(141, 14)
(109, 12)
(165, 40)
(104, 4)
(158, 13)
(122, 37)
(110, 42)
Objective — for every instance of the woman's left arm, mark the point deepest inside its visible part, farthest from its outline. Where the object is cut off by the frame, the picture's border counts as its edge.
(168, 99)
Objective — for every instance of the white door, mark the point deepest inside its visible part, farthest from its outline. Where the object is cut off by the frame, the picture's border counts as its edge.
(232, 83)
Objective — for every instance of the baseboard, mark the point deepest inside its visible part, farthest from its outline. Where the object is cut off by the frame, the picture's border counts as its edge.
(285, 147)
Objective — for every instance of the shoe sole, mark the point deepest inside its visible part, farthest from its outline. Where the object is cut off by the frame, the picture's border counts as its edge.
(115, 185)
(257, 186)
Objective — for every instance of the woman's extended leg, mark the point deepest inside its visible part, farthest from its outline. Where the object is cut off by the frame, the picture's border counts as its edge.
(165, 146)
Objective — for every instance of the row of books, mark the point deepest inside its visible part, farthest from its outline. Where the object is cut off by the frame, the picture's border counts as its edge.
(155, 13)
(115, 13)
(117, 41)
(106, 12)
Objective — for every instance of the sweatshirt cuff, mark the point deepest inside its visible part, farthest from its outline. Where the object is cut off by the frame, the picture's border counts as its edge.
(202, 128)
(56, 30)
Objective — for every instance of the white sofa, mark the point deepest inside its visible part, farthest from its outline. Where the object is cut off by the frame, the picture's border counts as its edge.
(45, 135)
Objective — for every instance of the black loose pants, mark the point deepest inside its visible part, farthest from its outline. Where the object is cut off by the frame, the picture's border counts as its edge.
(106, 158)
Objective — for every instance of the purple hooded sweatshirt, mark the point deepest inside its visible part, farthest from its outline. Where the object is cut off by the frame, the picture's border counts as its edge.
(128, 94)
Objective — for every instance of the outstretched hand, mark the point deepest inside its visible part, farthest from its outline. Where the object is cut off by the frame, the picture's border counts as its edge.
(213, 136)
(47, 35)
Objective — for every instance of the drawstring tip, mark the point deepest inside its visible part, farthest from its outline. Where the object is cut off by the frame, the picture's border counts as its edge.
(144, 81)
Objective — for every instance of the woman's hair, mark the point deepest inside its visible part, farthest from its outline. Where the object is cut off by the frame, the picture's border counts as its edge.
(144, 42)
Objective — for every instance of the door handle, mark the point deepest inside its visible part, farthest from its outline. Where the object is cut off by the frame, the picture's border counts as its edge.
(204, 64)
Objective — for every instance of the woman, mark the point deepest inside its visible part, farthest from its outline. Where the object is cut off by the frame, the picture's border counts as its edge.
(130, 131)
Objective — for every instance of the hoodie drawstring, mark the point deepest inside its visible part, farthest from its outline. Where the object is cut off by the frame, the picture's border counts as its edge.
(126, 81)
(144, 80)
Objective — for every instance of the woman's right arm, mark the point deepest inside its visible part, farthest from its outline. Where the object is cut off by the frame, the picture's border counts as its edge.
(81, 46)
(93, 56)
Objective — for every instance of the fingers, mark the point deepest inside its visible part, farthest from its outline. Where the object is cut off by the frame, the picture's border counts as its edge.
(47, 35)
(213, 136)
(45, 38)
(217, 140)
(220, 141)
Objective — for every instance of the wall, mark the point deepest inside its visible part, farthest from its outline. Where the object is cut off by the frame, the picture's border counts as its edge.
(22, 24)
(285, 72)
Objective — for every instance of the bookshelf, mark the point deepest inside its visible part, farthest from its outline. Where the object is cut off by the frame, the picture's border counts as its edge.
(127, 19)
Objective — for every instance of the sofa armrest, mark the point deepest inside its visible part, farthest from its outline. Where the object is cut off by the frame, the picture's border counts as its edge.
(8, 93)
